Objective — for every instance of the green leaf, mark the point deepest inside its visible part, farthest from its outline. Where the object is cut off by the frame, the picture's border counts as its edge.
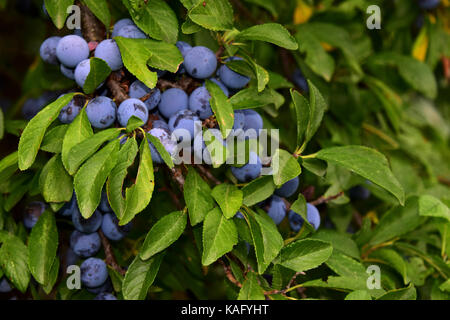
(366, 162)
(42, 247)
(317, 107)
(266, 239)
(14, 262)
(114, 185)
(284, 167)
(167, 158)
(139, 277)
(86, 148)
(216, 15)
(251, 290)
(98, 73)
(91, 177)
(32, 136)
(165, 232)
(57, 10)
(8, 165)
(79, 130)
(55, 183)
(53, 139)
(101, 10)
(251, 98)
(190, 27)
(430, 206)
(270, 32)
(52, 277)
(138, 196)
(393, 259)
(197, 195)
(397, 221)
(165, 56)
(340, 241)
(155, 18)
(258, 190)
(229, 198)
(303, 255)
(358, 295)
(134, 123)
(301, 106)
(135, 54)
(223, 109)
(219, 236)
(408, 293)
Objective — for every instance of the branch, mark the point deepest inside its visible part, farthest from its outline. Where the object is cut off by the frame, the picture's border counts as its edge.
(208, 174)
(177, 176)
(229, 274)
(326, 200)
(92, 28)
(110, 258)
(116, 88)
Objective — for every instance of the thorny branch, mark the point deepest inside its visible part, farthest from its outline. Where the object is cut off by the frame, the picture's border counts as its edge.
(110, 258)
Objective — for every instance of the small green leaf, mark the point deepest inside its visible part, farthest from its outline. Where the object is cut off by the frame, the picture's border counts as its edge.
(366, 162)
(223, 109)
(284, 167)
(139, 277)
(32, 136)
(98, 73)
(219, 236)
(52, 277)
(258, 190)
(229, 198)
(302, 113)
(55, 183)
(317, 107)
(197, 195)
(138, 196)
(409, 293)
(42, 247)
(270, 32)
(430, 206)
(9, 165)
(53, 139)
(251, 290)
(167, 158)
(91, 177)
(251, 98)
(14, 261)
(303, 255)
(134, 123)
(165, 232)
(214, 15)
(57, 10)
(101, 10)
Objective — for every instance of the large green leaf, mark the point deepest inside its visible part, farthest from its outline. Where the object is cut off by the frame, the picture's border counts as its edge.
(91, 177)
(138, 196)
(139, 277)
(32, 136)
(303, 255)
(99, 71)
(366, 162)
(270, 32)
(55, 183)
(197, 195)
(215, 15)
(409, 293)
(222, 108)
(258, 190)
(42, 247)
(430, 206)
(229, 198)
(155, 18)
(53, 139)
(14, 261)
(57, 10)
(219, 236)
(165, 232)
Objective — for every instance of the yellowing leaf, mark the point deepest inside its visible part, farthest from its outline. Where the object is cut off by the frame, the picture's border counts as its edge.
(420, 46)
(302, 12)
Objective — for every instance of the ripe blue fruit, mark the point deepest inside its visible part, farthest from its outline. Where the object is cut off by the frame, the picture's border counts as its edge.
(48, 50)
(108, 50)
(239, 120)
(253, 120)
(359, 193)
(131, 32)
(221, 85)
(71, 257)
(120, 24)
(160, 124)
(232, 79)
(85, 245)
(69, 207)
(429, 4)
(111, 228)
(172, 101)
(132, 107)
(202, 152)
(249, 171)
(89, 225)
(239, 215)
(289, 188)
(276, 209)
(72, 109)
(67, 72)
(199, 103)
(200, 62)
(184, 47)
(105, 296)
(104, 203)
(93, 272)
(312, 214)
(106, 287)
(138, 90)
(31, 107)
(32, 213)
(101, 112)
(299, 80)
(164, 136)
(5, 287)
(82, 71)
(184, 120)
(71, 50)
